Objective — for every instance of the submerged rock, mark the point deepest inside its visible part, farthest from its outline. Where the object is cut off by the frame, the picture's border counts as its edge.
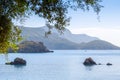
(108, 64)
(89, 62)
(17, 61)
(99, 64)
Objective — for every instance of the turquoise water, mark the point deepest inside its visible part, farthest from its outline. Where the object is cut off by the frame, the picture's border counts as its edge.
(63, 65)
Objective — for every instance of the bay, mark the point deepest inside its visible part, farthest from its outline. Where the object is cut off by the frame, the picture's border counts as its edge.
(63, 65)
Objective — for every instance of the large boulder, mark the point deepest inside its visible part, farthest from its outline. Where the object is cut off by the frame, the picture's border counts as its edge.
(17, 61)
(89, 62)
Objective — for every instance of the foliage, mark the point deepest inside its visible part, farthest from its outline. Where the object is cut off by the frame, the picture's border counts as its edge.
(53, 11)
(9, 35)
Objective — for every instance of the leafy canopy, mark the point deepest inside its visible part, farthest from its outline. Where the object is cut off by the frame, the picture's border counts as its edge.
(53, 11)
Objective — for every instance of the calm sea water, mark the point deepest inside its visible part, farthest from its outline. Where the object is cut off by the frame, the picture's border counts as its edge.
(63, 65)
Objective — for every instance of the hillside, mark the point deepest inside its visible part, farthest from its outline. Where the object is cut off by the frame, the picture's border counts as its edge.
(31, 47)
(76, 38)
(98, 45)
(64, 41)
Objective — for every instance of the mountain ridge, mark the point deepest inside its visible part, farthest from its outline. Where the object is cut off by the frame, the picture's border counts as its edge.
(57, 41)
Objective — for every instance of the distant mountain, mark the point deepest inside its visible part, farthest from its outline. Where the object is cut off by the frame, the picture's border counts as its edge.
(53, 41)
(98, 45)
(64, 41)
(76, 38)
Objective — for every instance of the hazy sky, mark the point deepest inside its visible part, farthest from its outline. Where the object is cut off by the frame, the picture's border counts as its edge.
(108, 28)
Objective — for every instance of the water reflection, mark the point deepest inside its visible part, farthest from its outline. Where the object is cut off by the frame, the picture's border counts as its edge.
(19, 66)
(89, 68)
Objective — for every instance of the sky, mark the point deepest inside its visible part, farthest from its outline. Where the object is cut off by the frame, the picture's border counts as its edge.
(106, 28)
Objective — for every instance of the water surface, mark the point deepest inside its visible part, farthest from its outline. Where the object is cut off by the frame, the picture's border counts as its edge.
(63, 65)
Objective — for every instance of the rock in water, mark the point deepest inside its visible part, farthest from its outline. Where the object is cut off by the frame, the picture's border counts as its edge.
(17, 61)
(109, 64)
(99, 64)
(89, 62)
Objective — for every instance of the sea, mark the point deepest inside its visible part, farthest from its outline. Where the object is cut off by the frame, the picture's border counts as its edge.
(62, 65)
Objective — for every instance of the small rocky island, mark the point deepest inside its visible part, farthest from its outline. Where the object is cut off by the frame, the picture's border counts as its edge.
(17, 61)
(89, 62)
(31, 47)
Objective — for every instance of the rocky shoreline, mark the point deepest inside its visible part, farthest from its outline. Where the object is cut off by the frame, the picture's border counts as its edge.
(31, 47)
